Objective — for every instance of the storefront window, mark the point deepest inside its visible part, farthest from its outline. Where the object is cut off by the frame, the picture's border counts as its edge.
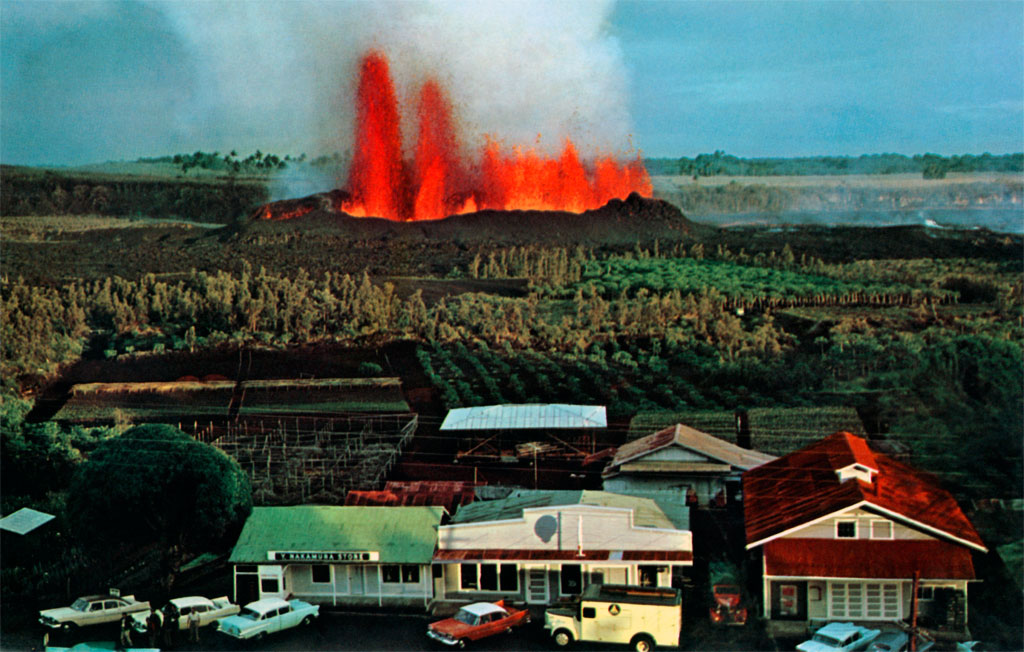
(391, 574)
(268, 585)
(411, 574)
(468, 574)
(571, 579)
(321, 574)
(509, 579)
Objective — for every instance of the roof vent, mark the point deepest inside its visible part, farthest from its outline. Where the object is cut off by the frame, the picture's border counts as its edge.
(858, 471)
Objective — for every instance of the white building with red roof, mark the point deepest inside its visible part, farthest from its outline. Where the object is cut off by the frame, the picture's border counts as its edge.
(843, 532)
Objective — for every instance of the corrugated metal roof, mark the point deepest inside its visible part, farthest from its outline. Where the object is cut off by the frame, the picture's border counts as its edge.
(522, 417)
(25, 520)
(647, 511)
(803, 485)
(399, 534)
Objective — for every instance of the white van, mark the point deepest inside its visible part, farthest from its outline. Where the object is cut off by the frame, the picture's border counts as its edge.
(612, 613)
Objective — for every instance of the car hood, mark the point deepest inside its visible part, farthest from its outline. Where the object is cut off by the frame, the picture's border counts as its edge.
(61, 613)
(452, 627)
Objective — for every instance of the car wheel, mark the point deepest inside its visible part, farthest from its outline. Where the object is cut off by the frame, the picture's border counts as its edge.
(643, 644)
(307, 621)
(260, 636)
(563, 638)
(68, 627)
(463, 642)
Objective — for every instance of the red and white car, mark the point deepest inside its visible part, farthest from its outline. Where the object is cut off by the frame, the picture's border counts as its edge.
(476, 621)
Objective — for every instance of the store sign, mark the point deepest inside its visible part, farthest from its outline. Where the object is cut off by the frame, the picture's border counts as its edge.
(323, 556)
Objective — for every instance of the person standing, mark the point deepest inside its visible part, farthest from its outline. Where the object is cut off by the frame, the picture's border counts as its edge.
(153, 622)
(125, 641)
(193, 626)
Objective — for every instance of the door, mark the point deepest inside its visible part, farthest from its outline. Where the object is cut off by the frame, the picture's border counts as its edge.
(355, 580)
(247, 589)
(537, 586)
(789, 600)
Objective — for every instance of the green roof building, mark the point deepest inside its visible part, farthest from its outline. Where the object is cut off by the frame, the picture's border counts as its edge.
(355, 556)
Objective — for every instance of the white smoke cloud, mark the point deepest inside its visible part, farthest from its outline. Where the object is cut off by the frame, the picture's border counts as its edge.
(281, 75)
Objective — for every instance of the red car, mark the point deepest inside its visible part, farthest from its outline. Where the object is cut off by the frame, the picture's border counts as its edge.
(476, 621)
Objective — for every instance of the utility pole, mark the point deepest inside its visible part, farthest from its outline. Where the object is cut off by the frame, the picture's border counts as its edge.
(913, 612)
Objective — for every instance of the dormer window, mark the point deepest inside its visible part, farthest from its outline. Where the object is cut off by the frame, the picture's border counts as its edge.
(858, 471)
(846, 529)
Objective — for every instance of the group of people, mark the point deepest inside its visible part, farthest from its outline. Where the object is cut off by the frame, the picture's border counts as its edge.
(165, 623)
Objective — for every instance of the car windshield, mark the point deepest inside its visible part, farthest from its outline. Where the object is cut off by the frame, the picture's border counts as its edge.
(251, 614)
(827, 640)
(726, 588)
(465, 617)
(81, 604)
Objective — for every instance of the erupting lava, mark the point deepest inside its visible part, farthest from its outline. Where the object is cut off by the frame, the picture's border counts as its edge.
(438, 182)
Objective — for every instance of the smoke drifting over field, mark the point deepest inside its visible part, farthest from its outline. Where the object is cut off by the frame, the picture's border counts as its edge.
(281, 75)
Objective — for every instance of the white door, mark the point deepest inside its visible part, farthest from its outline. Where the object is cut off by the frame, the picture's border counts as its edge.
(537, 586)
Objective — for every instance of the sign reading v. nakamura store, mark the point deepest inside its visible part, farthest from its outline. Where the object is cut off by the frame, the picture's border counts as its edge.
(315, 556)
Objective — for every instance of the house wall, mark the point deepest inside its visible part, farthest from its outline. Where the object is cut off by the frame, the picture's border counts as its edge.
(705, 487)
(564, 528)
(861, 600)
(604, 572)
(826, 529)
(351, 584)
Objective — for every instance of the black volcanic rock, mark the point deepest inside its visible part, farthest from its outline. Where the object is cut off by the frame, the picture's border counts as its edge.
(634, 219)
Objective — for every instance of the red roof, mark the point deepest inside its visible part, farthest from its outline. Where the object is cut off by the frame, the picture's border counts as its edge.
(563, 555)
(867, 558)
(803, 486)
(447, 494)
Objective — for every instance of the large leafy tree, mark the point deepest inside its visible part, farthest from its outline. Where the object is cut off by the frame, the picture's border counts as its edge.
(155, 484)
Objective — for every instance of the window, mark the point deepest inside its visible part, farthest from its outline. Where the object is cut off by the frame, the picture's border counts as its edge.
(437, 571)
(648, 575)
(269, 585)
(926, 593)
(571, 579)
(881, 529)
(814, 593)
(589, 612)
(321, 574)
(410, 574)
(846, 529)
(96, 606)
(488, 577)
(508, 579)
(391, 574)
(468, 573)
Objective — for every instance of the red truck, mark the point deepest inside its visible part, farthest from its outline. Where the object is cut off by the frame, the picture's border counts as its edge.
(727, 604)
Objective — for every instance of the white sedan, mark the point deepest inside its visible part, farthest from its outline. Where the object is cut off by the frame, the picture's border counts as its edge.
(209, 611)
(92, 610)
(266, 616)
(839, 637)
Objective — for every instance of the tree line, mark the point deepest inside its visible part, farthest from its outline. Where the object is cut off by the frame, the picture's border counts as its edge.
(929, 165)
(74, 194)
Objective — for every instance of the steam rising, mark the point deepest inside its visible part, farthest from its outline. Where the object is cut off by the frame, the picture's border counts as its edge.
(281, 76)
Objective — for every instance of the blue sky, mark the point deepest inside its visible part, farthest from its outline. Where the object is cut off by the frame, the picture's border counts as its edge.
(88, 81)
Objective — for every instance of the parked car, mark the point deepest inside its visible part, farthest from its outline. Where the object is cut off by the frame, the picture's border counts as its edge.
(266, 616)
(839, 637)
(92, 610)
(895, 640)
(727, 603)
(209, 611)
(476, 621)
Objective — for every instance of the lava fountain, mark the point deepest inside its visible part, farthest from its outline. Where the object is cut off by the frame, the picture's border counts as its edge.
(439, 181)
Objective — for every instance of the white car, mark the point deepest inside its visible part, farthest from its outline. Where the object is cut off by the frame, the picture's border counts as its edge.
(266, 616)
(209, 611)
(839, 637)
(92, 610)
